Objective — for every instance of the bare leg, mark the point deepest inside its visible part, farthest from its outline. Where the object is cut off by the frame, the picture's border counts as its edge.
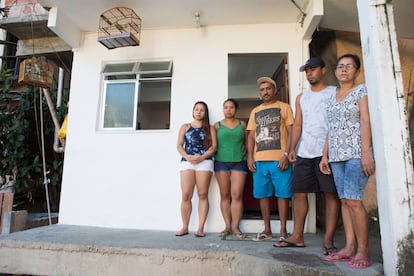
(360, 216)
(223, 179)
(203, 182)
(331, 219)
(350, 245)
(283, 205)
(187, 190)
(265, 210)
(237, 187)
(300, 211)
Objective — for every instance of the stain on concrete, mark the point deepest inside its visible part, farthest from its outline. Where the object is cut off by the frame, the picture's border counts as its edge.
(306, 264)
(406, 255)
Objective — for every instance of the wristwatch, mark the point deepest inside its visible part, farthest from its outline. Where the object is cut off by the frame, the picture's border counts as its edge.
(286, 154)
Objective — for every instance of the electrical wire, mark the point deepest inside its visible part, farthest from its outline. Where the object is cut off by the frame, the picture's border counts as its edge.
(303, 14)
(46, 180)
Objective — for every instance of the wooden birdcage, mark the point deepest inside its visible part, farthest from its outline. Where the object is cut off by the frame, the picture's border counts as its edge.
(36, 71)
(119, 27)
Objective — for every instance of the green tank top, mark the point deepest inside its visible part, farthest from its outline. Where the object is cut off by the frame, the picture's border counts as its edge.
(230, 144)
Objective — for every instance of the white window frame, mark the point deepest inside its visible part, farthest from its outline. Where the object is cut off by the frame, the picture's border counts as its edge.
(135, 75)
(134, 123)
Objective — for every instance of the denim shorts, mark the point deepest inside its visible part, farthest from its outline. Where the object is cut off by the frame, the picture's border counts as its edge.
(205, 165)
(230, 166)
(350, 179)
(269, 180)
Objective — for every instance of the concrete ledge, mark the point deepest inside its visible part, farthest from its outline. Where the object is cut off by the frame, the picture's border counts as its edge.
(81, 250)
(115, 261)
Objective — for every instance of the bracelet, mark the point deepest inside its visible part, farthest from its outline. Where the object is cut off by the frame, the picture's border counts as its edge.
(286, 154)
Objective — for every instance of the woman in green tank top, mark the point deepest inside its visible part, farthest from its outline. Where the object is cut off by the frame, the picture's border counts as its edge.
(230, 167)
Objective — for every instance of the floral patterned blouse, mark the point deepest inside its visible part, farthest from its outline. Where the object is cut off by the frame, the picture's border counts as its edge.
(193, 141)
(344, 126)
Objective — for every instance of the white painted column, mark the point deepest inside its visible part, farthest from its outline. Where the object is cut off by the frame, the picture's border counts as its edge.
(394, 172)
(314, 14)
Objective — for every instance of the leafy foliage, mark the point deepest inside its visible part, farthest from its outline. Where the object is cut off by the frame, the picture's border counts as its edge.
(20, 141)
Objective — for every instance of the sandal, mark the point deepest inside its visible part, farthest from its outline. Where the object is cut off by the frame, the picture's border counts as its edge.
(181, 233)
(263, 237)
(284, 236)
(328, 250)
(338, 257)
(224, 233)
(240, 235)
(282, 243)
(199, 234)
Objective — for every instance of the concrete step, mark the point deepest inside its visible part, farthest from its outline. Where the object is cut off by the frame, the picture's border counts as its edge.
(83, 250)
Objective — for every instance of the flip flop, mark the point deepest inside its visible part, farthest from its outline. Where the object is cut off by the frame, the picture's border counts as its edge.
(240, 235)
(360, 263)
(181, 233)
(285, 236)
(287, 243)
(224, 233)
(326, 250)
(337, 257)
(199, 234)
(262, 237)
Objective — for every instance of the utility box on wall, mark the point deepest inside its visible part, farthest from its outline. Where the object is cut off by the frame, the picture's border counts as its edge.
(36, 71)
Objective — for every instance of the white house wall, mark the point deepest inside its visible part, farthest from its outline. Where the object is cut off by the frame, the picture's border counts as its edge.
(131, 179)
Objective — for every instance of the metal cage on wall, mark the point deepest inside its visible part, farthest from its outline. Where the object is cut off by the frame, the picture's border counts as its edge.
(119, 27)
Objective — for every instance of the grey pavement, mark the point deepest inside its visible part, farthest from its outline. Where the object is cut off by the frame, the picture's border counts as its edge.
(83, 250)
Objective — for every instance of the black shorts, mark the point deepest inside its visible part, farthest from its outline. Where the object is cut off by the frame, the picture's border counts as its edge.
(307, 177)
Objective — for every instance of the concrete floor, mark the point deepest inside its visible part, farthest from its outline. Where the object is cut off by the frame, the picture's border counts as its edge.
(82, 250)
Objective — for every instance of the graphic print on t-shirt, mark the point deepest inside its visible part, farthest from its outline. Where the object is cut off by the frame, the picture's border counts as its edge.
(268, 129)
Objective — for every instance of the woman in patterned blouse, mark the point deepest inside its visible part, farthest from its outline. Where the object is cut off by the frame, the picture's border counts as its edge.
(349, 152)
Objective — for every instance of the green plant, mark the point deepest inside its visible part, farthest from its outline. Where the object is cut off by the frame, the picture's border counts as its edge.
(20, 146)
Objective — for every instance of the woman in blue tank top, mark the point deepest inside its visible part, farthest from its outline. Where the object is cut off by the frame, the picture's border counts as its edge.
(230, 167)
(196, 145)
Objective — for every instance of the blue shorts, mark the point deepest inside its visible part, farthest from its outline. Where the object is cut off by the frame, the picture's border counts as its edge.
(269, 180)
(230, 166)
(350, 179)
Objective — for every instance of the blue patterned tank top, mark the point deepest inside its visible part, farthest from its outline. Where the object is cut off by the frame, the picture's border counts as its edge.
(193, 141)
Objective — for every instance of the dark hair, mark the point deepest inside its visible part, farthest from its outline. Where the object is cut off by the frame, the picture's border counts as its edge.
(205, 125)
(236, 105)
(355, 58)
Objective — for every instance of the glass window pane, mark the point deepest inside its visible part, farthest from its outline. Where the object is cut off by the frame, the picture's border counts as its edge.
(121, 77)
(119, 105)
(119, 68)
(154, 66)
(154, 104)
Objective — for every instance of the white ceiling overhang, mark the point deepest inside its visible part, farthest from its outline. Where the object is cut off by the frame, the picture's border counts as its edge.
(69, 18)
